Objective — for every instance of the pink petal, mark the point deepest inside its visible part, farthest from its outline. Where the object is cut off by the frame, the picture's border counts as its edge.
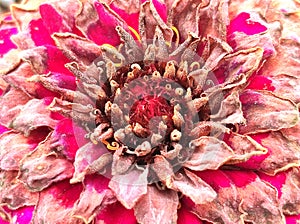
(69, 137)
(161, 8)
(215, 178)
(3, 129)
(22, 215)
(259, 82)
(292, 219)
(243, 23)
(103, 31)
(241, 178)
(56, 61)
(39, 33)
(52, 19)
(185, 216)
(277, 181)
(116, 213)
(5, 42)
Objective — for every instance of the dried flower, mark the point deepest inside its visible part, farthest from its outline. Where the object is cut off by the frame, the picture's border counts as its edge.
(150, 112)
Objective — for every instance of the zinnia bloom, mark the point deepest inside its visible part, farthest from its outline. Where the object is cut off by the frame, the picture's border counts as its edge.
(150, 112)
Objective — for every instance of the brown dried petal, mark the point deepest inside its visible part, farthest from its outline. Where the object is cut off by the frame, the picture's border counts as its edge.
(43, 167)
(121, 163)
(224, 209)
(290, 198)
(157, 207)
(11, 104)
(33, 115)
(13, 148)
(9, 62)
(243, 147)
(209, 153)
(78, 49)
(85, 156)
(283, 153)
(260, 206)
(242, 62)
(14, 193)
(163, 169)
(129, 187)
(265, 111)
(37, 57)
(193, 187)
(184, 15)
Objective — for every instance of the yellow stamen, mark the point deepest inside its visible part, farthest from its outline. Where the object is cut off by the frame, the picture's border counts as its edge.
(195, 64)
(136, 34)
(177, 34)
(111, 47)
(112, 146)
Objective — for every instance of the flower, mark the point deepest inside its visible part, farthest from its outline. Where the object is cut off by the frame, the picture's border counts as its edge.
(150, 112)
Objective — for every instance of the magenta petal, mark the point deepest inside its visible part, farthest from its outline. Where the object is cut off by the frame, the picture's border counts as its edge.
(243, 23)
(259, 82)
(292, 219)
(5, 42)
(52, 20)
(277, 181)
(103, 31)
(116, 213)
(240, 178)
(39, 33)
(22, 215)
(161, 8)
(215, 178)
(57, 60)
(186, 217)
(131, 19)
(70, 137)
(3, 129)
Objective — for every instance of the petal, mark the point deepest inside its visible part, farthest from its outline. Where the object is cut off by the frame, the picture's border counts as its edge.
(14, 193)
(67, 137)
(22, 215)
(100, 25)
(10, 107)
(77, 48)
(157, 206)
(93, 198)
(6, 44)
(190, 185)
(129, 187)
(43, 167)
(56, 203)
(9, 62)
(209, 153)
(258, 206)
(290, 198)
(116, 213)
(185, 216)
(265, 111)
(33, 115)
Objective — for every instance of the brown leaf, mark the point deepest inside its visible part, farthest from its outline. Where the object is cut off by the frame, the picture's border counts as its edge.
(43, 167)
(11, 104)
(129, 187)
(157, 207)
(290, 198)
(192, 186)
(265, 111)
(14, 193)
(283, 153)
(33, 115)
(209, 153)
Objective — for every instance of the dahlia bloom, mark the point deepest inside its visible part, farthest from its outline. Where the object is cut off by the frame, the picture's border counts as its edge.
(150, 112)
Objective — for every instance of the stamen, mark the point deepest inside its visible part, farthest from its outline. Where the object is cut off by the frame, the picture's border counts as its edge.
(193, 65)
(136, 34)
(112, 146)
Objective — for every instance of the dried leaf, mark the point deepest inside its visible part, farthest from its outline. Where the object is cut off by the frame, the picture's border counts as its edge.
(129, 187)
(265, 111)
(157, 207)
(209, 153)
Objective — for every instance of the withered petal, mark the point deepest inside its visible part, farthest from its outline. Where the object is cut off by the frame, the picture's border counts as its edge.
(264, 111)
(161, 206)
(129, 187)
(209, 153)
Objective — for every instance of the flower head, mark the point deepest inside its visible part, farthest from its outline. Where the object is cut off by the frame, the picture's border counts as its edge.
(149, 112)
